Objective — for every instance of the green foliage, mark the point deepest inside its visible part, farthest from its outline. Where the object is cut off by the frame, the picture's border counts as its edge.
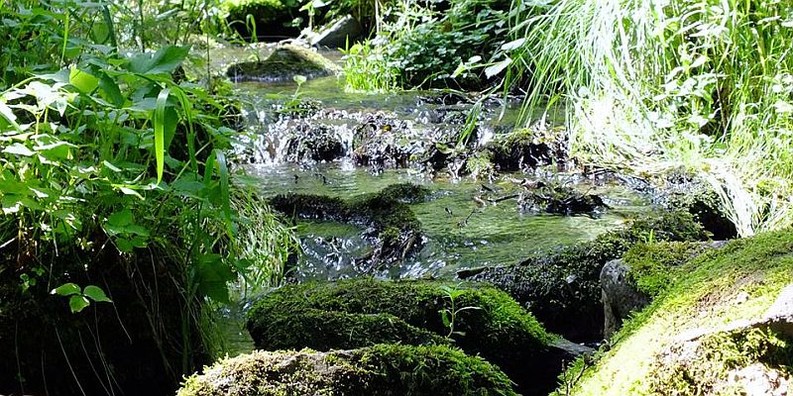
(79, 298)
(377, 370)
(652, 86)
(497, 329)
(366, 69)
(263, 17)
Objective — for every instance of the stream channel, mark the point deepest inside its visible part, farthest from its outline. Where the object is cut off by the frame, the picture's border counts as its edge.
(459, 230)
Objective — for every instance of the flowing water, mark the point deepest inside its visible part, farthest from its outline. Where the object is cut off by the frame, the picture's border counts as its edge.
(460, 232)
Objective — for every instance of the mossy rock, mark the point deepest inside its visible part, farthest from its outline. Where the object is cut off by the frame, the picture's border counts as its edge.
(315, 143)
(702, 332)
(367, 311)
(528, 147)
(396, 229)
(562, 288)
(559, 198)
(378, 370)
(286, 62)
(654, 266)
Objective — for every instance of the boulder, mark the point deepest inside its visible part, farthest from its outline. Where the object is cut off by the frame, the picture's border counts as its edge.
(378, 370)
(620, 297)
(314, 142)
(715, 329)
(359, 313)
(338, 34)
(286, 62)
(529, 148)
(559, 198)
(562, 287)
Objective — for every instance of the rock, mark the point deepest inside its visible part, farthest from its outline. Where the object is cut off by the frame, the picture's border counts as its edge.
(562, 287)
(558, 198)
(286, 61)
(379, 370)
(620, 297)
(395, 230)
(694, 339)
(530, 148)
(780, 314)
(359, 313)
(339, 34)
(314, 142)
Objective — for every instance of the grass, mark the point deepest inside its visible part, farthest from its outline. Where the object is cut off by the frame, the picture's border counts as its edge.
(652, 86)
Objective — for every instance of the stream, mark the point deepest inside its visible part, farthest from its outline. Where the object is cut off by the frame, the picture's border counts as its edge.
(459, 230)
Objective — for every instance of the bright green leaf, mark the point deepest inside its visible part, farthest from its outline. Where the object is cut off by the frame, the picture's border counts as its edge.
(498, 67)
(166, 60)
(18, 149)
(159, 132)
(77, 303)
(66, 289)
(83, 81)
(95, 293)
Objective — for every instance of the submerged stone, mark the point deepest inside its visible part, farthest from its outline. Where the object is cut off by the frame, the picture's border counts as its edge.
(478, 319)
(286, 62)
(560, 199)
(378, 370)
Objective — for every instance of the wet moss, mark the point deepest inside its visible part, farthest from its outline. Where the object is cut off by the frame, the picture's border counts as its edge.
(493, 325)
(562, 288)
(378, 370)
(528, 147)
(687, 336)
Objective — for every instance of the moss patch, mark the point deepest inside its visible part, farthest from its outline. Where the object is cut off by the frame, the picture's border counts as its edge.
(654, 266)
(283, 64)
(497, 328)
(562, 288)
(379, 370)
(738, 282)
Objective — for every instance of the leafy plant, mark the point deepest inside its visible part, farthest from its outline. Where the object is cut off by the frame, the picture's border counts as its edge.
(80, 298)
(450, 314)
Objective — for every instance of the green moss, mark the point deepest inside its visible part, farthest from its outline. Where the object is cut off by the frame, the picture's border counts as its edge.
(738, 282)
(562, 288)
(654, 266)
(406, 192)
(283, 64)
(528, 147)
(499, 329)
(378, 370)
(326, 330)
(271, 17)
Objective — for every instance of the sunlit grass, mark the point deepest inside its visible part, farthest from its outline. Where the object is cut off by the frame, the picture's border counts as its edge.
(656, 85)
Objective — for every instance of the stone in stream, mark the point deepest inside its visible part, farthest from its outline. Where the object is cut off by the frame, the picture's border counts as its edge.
(379, 370)
(341, 32)
(365, 312)
(286, 61)
(562, 287)
(393, 227)
(530, 147)
(313, 142)
(558, 198)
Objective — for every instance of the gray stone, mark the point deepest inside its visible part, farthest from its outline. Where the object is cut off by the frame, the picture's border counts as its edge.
(343, 31)
(620, 297)
(286, 62)
(780, 314)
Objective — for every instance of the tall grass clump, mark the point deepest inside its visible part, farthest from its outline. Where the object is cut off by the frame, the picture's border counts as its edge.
(655, 85)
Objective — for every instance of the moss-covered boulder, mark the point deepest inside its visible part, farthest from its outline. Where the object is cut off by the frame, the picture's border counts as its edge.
(562, 288)
(379, 370)
(560, 198)
(395, 232)
(363, 312)
(283, 64)
(711, 331)
(314, 142)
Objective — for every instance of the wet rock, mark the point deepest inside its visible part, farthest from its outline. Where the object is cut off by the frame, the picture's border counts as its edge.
(394, 230)
(486, 322)
(533, 147)
(286, 61)
(314, 142)
(562, 288)
(273, 19)
(341, 32)
(702, 202)
(780, 315)
(552, 197)
(384, 141)
(378, 370)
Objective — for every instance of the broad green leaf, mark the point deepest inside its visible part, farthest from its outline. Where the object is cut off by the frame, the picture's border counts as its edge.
(213, 277)
(83, 81)
(110, 91)
(78, 303)
(514, 44)
(66, 289)
(19, 149)
(159, 132)
(224, 182)
(166, 60)
(445, 318)
(95, 293)
(496, 68)
(120, 219)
